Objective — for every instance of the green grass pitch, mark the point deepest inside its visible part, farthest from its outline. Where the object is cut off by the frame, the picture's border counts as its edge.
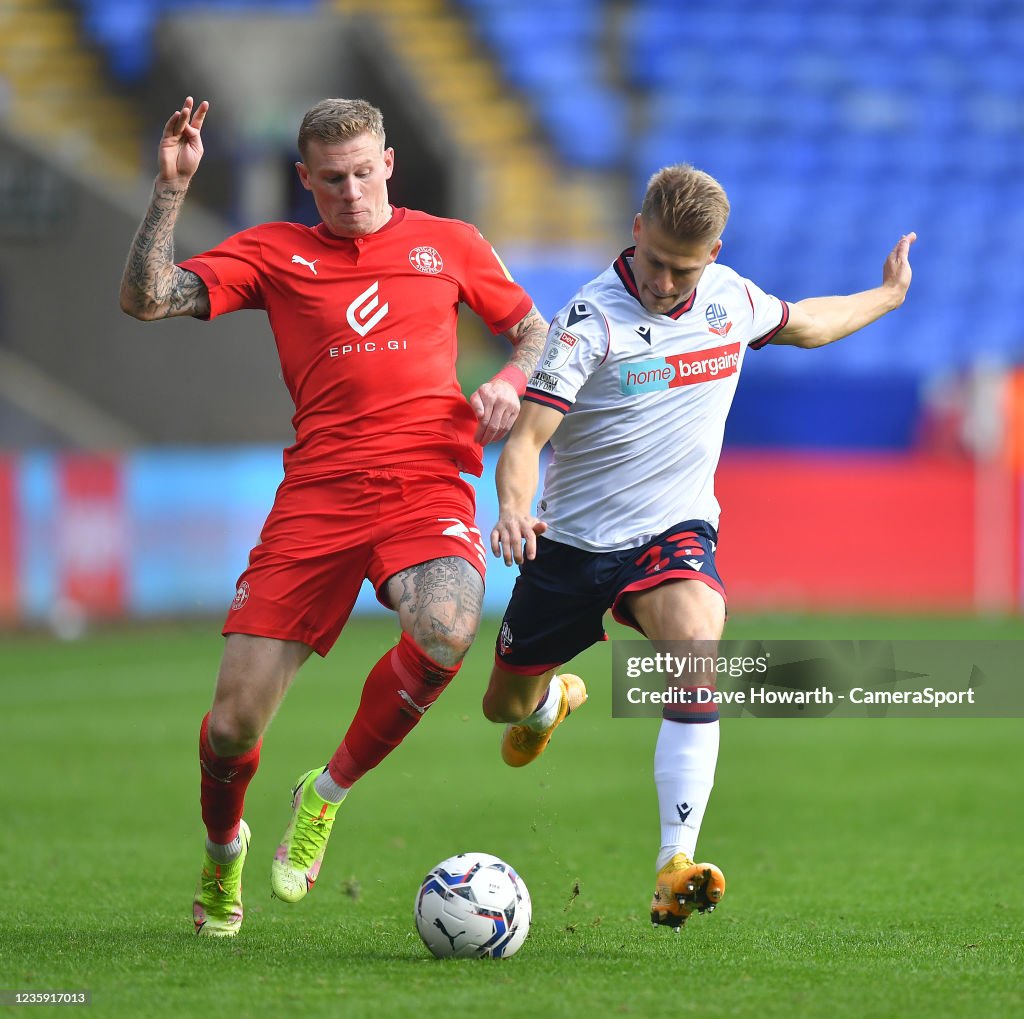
(874, 866)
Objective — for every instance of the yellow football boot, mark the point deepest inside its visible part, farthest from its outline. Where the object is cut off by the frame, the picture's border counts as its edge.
(683, 887)
(520, 744)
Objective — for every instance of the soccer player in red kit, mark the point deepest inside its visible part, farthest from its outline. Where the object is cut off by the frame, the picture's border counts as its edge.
(363, 308)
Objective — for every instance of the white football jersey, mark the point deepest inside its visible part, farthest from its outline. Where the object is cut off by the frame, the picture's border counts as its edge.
(645, 399)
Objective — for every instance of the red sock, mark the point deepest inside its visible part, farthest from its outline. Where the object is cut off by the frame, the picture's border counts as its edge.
(223, 785)
(396, 694)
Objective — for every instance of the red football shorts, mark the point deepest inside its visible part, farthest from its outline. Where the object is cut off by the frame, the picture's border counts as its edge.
(325, 535)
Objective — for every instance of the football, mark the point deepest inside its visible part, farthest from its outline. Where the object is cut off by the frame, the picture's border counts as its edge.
(473, 905)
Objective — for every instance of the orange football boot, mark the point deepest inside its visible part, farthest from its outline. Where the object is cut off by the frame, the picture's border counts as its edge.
(683, 887)
(520, 744)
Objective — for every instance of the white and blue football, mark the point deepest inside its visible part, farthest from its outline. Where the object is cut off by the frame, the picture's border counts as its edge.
(473, 905)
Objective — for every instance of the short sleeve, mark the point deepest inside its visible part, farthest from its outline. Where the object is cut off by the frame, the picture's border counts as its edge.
(770, 315)
(570, 357)
(488, 287)
(233, 273)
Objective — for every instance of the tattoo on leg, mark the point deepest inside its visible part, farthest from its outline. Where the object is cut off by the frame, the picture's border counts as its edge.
(439, 604)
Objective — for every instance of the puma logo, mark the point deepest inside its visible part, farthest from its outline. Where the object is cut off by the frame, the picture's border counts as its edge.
(440, 927)
(226, 779)
(299, 260)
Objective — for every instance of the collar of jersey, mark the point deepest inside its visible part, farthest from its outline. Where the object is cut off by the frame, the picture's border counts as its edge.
(624, 269)
(397, 215)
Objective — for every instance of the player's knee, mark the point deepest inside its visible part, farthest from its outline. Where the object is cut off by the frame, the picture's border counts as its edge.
(699, 627)
(698, 632)
(447, 647)
(232, 733)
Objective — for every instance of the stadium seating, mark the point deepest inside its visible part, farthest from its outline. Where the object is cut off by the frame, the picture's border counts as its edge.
(834, 128)
(124, 29)
(552, 53)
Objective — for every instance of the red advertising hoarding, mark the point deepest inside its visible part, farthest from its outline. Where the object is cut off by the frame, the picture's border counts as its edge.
(801, 532)
(8, 541)
(92, 535)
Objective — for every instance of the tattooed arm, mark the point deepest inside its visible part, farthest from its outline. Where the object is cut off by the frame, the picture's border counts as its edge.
(528, 336)
(496, 403)
(152, 286)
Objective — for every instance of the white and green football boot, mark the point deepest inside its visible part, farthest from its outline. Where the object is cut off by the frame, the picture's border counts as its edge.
(217, 907)
(297, 861)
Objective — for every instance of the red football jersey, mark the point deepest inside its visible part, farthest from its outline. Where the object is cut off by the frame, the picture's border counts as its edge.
(365, 330)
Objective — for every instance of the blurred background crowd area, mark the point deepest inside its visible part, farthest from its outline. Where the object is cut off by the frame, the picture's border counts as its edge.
(834, 128)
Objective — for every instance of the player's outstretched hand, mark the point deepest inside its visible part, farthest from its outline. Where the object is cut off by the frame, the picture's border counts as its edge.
(496, 405)
(181, 146)
(896, 271)
(514, 538)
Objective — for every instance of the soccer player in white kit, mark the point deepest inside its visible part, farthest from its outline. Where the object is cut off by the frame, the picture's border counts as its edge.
(633, 392)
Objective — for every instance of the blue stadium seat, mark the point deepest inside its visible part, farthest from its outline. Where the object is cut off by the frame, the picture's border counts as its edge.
(899, 33)
(809, 113)
(542, 69)
(656, 56)
(959, 35)
(776, 32)
(553, 277)
(834, 30)
(513, 31)
(587, 126)
(818, 71)
(124, 29)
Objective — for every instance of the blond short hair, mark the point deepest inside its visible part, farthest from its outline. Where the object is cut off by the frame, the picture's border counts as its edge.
(340, 120)
(686, 203)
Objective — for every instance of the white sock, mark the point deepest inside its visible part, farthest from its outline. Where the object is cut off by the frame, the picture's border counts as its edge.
(327, 789)
(684, 772)
(225, 853)
(544, 716)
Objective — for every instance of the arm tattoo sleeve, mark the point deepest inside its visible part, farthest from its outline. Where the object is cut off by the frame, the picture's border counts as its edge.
(529, 337)
(153, 286)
